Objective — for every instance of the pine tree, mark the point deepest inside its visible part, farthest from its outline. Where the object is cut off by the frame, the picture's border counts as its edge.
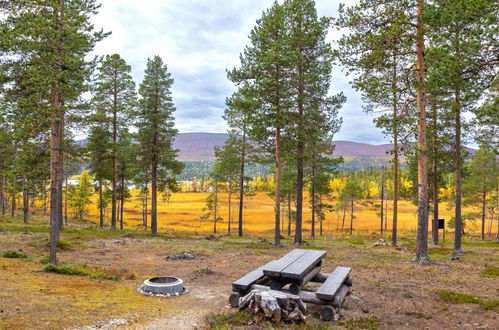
(156, 133)
(114, 98)
(482, 180)
(463, 38)
(263, 75)
(54, 36)
(98, 147)
(314, 113)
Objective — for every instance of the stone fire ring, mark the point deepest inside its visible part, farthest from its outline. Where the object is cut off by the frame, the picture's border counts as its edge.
(163, 286)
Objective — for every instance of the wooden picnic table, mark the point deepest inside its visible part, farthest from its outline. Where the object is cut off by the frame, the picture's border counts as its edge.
(296, 269)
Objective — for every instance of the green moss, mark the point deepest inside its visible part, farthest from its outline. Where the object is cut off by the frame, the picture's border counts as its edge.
(228, 320)
(460, 298)
(79, 270)
(14, 255)
(63, 245)
(490, 271)
(356, 241)
(362, 323)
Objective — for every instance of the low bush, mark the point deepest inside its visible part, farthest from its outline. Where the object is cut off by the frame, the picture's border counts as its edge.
(14, 255)
(65, 268)
(460, 298)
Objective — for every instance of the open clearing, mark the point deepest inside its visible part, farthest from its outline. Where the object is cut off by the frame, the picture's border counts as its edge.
(388, 291)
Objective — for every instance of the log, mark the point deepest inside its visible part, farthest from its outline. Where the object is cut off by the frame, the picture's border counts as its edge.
(340, 296)
(327, 313)
(310, 297)
(234, 299)
(322, 277)
(295, 288)
(275, 305)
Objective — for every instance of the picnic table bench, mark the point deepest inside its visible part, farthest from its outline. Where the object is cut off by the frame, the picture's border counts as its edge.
(291, 273)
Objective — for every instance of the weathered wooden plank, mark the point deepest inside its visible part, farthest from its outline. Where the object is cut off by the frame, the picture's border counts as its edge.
(276, 268)
(245, 282)
(333, 283)
(302, 265)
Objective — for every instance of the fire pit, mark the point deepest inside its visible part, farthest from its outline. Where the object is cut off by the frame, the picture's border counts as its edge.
(164, 285)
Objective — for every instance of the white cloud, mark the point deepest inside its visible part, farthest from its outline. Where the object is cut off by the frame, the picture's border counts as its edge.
(199, 40)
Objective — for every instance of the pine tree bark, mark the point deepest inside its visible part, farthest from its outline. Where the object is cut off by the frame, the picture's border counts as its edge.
(2, 195)
(312, 231)
(458, 220)
(351, 217)
(422, 231)
(101, 213)
(289, 214)
(277, 233)
(154, 190)
(114, 167)
(435, 181)
(483, 211)
(66, 202)
(215, 208)
(14, 195)
(122, 210)
(299, 163)
(25, 200)
(382, 200)
(344, 215)
(230, 200)
(241, 184)
(395, 154)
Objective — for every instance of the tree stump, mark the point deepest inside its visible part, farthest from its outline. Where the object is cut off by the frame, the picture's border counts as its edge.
(274, 305)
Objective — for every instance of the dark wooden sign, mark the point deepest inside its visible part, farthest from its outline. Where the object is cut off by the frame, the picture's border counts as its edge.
(441, 224)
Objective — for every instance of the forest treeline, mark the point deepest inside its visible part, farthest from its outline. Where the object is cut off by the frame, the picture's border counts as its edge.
(419, 66)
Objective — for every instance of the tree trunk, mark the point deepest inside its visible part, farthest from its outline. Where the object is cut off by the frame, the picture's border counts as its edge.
(312, 231)
(382, 200)
(122, 211)
(458, 220)
(395, 157)
(66, 202)
(101, 213)
(344, 214)
(241, 184)
(2, 194)
(289, 214)
(14, 195)
(351, 217)
(422, 231)
(299, 167)
(277, 234)
(154, 190)
(44, 198)
(215, 208)
(147, 199)
(435, 179)
(230, 198)
(483, 214)
(25, 200)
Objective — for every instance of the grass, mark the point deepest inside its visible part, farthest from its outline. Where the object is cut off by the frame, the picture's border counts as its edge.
(14, 255)
(79, 270)
(362, 323)
(461, 298)
(244, 320)
(490, 271)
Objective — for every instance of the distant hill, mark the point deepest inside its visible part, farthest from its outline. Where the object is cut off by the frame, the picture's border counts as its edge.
(199, 147)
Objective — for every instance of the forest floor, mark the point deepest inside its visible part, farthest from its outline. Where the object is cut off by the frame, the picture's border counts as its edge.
(389, 292)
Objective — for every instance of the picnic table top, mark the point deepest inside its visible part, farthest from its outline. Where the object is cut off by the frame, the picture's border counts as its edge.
(294, 265)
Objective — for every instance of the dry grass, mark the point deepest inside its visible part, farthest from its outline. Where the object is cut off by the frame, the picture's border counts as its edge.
(184, 211)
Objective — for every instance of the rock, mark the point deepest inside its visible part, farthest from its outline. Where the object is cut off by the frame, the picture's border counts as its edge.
(127, 235)
(183, 256)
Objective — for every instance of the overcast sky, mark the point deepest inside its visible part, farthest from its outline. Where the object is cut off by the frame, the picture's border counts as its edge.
(199, 40)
